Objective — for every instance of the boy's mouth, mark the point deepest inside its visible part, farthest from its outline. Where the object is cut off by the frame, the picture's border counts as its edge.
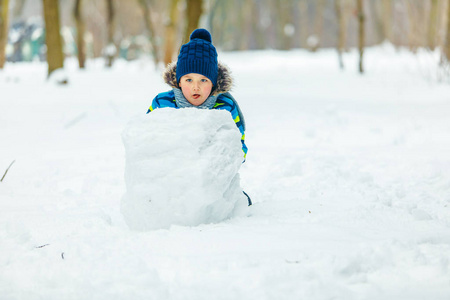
(196, 96)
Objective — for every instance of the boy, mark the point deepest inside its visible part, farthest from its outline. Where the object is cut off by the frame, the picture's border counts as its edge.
(198, 80)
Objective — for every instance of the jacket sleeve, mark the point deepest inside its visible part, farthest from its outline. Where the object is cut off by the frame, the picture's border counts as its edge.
(237, 119)
(227, 102)
(155, 104)
(166, 99)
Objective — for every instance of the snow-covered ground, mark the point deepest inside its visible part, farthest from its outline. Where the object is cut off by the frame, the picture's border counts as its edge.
(349, 175)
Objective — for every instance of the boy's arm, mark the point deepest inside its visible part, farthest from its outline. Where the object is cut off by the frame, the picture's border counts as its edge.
(166, 99)
(155, 104)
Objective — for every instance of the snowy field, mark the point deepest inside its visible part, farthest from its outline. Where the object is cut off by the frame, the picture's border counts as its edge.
(349, 175)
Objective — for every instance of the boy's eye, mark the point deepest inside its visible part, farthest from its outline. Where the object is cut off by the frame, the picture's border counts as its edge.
(189, 80)
(204, 80)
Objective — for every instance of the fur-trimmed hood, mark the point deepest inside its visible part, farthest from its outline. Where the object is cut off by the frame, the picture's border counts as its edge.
(224, 79)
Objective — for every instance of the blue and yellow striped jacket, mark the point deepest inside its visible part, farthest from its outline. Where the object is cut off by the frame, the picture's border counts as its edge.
(224, 101)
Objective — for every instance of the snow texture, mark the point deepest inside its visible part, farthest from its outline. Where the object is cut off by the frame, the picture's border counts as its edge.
(349, 176)
(182, 168)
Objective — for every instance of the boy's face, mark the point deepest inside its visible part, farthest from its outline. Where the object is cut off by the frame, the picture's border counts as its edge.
(196, 88)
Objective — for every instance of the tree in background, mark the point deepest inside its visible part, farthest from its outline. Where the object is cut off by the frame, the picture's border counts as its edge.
(341, 31)
(157, 27)
(361, 32)
(81, 28)
(3, 30)
(171, 32)
(55, 57)
(432, 24)
(110, 50)
(387, 24)
(446, 48)
(194, 10)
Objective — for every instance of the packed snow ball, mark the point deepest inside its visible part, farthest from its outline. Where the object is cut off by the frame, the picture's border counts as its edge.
(182, 168)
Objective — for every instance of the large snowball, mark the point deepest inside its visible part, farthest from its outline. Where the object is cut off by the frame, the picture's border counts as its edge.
(182, 168)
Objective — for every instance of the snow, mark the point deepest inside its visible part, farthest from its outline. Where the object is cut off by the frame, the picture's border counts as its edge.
(349, 175)
(182, 169)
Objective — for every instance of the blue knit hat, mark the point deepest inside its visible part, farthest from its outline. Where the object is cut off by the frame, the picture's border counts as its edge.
(198, 56)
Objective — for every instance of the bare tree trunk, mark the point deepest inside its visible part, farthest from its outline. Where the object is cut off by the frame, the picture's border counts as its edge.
(171, 33)
(387, 20)
(341, 29)
(81, 28)
(446, 48)
(110, 47)
(412, 27)
(432, 24)
(341, 8)
(441, 22)
(194, 10)
(55, 57)
(346, 8)
(3, 30)
(361, 33)
(151, 32)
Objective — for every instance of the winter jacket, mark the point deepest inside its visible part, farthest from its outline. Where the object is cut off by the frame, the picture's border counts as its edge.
(224, 100)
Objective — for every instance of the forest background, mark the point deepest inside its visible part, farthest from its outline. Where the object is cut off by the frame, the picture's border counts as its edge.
(130, 29)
